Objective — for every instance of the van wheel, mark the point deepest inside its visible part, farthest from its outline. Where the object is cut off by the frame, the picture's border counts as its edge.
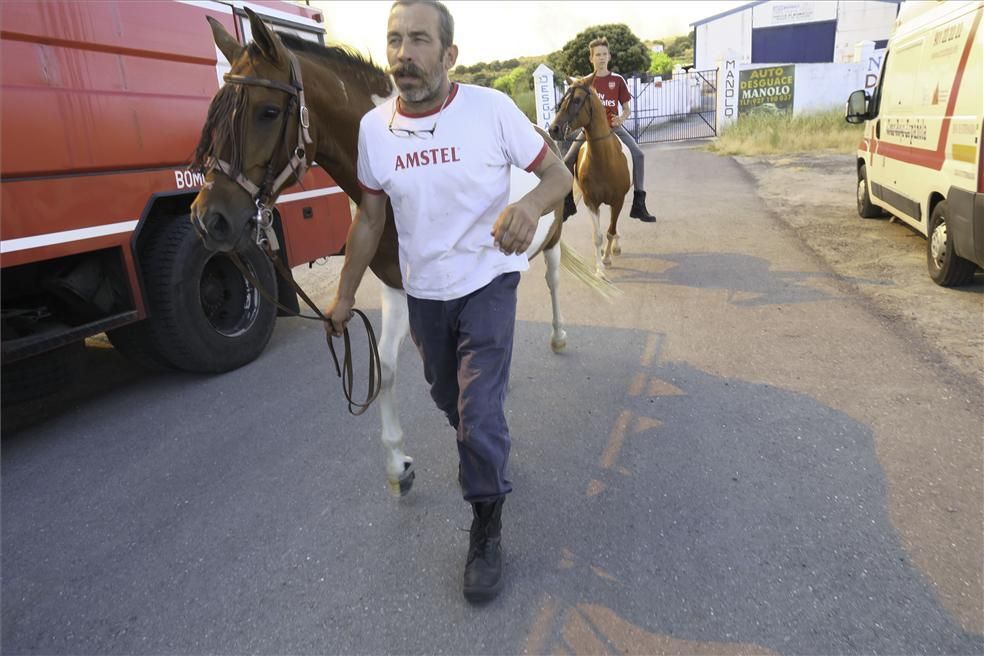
(204, 316)
(946, 268)
(866, 209)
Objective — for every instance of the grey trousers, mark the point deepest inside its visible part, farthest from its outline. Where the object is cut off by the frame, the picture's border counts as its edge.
(638, 159)
(466, 347)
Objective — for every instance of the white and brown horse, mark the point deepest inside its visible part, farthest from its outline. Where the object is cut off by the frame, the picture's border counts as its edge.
(602, 170)
(288, 103)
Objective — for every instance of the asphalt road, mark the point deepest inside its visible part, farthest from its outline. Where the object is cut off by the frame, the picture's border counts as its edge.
(736, 456)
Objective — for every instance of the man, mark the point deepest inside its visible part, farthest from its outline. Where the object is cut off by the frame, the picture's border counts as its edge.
(441, 153)
(613, 91)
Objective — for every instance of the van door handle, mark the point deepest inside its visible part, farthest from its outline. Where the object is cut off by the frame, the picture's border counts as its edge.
(877, 129)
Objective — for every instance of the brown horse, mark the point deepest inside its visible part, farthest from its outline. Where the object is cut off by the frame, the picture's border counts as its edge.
(602, 171)
(286, 104)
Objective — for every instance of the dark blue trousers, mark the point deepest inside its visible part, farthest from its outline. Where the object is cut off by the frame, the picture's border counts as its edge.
(466, 346)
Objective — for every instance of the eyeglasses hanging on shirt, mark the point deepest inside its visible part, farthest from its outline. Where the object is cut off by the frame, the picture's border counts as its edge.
(404, 133)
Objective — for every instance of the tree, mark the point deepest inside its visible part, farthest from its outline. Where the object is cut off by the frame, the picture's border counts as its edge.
(660, 63)
(629, 54)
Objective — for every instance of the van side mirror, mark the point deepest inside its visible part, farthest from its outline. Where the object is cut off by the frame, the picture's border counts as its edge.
(857, 107)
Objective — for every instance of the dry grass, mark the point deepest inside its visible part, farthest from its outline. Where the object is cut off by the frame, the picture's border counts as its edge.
(779, 134)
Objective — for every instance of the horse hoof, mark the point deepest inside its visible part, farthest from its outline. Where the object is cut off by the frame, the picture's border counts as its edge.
(616, 250)
(607, 261)
(558, 345)
(401, 486)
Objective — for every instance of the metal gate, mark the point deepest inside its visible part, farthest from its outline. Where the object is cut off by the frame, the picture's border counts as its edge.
(684, 107)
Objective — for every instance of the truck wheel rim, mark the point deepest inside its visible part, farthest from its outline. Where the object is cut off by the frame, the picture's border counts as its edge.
(937, 244)
(861, 190)
(229, 303)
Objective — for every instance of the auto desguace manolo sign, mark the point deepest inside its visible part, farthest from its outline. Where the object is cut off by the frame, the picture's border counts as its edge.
(766, 90)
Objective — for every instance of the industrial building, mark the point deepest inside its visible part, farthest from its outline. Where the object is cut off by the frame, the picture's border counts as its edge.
(775, 32)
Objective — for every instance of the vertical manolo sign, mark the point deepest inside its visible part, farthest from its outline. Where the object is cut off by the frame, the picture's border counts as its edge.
(766, 90)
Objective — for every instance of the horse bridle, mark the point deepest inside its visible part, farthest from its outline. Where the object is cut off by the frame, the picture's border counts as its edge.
(266, 237)
(297, 164)
(587, 93)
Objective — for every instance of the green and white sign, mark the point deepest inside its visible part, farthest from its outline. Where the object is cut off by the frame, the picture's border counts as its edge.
(766, 90)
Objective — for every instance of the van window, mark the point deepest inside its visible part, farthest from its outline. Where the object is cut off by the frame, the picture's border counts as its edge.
(899, 81)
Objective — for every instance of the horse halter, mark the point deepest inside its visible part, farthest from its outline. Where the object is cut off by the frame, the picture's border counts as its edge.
(297, 164)
(587, 95)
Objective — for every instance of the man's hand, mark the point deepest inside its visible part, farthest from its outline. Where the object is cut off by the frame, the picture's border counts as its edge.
(513, 231)
(617, 121)
(339, 315)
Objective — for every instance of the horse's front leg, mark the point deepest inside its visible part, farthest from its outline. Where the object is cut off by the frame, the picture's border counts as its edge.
(396, 325)
(613, 248)
(558, 338)
(601, 259)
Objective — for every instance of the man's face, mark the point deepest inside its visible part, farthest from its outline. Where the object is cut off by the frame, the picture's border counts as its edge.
(418, 62)
(600, 58)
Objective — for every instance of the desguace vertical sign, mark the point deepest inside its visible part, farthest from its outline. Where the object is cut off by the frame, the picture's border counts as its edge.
(766, 90)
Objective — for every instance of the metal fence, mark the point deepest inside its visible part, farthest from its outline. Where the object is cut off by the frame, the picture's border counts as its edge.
(683, 107)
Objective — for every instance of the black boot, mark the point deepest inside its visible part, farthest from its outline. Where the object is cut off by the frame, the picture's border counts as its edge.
(570, 209)
(483, 570)
(639, 210)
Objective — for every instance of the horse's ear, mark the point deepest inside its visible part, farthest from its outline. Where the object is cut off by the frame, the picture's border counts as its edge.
(226, 43)
(571, 80)
(264, 38)
(590, 79)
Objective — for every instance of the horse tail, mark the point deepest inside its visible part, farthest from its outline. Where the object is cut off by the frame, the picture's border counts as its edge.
(572, 262)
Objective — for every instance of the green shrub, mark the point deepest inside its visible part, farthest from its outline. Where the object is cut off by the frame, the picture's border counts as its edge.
(766, 134)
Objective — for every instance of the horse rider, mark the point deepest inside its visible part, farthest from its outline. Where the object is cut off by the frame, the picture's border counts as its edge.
(440, 154)
(613, 91)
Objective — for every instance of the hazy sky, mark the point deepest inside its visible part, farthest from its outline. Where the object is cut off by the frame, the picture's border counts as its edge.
(486, 31)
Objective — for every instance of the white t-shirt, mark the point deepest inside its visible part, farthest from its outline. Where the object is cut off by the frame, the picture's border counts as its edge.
(448, 191)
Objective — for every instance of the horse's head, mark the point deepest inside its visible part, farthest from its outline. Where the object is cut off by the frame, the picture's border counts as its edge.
(575, 109)
(256, 140)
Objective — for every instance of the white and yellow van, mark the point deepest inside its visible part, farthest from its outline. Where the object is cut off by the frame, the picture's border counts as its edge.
(921, 156)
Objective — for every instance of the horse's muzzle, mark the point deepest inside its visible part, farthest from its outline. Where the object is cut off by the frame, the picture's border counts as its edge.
(558, 132)
(219, 234)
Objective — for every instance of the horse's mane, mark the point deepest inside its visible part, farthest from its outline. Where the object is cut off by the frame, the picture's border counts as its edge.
(339, 55)
(225, 123)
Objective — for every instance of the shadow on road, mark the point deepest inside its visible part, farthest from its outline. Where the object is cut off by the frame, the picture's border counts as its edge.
(748, 276)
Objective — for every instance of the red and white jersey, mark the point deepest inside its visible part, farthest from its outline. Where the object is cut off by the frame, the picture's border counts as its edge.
(614, 93)
(448, 190)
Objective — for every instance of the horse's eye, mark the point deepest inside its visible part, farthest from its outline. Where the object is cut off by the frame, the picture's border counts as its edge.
(269, 113)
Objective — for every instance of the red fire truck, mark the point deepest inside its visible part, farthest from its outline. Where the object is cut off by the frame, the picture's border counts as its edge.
(102, 104)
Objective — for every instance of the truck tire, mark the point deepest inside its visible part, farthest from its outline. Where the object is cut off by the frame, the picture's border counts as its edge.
(203, 314)
(866, 209)
(946, 268)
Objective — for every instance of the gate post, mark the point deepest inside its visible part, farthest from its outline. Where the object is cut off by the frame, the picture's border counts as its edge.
(545, 98)
(727, 87)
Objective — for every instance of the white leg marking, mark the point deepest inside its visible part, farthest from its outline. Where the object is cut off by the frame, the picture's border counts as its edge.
(599, 244)
(609, 246)
(558, 339)
(396, 325)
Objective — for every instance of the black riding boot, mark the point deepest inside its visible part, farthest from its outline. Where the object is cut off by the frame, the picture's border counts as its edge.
(639, 210)
(483, 570)
(570, 209)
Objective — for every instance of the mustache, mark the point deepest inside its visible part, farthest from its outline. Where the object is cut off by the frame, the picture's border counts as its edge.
(406, 69)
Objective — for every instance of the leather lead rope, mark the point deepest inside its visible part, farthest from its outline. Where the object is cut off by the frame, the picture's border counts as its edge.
(345, 370)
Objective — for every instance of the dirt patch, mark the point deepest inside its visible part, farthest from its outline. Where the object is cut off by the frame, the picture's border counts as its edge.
(884, 260)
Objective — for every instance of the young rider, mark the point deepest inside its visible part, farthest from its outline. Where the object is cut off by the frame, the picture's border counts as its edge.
(613, 91)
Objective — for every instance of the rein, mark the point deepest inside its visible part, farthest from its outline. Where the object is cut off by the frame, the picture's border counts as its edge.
(343, 371)
(590, 113)
(266, 237)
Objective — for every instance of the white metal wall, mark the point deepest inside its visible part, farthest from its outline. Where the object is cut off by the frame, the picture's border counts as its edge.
(857, 20)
